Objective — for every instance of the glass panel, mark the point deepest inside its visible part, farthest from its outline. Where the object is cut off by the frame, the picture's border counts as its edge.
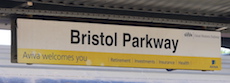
(225, 51)
(5, 37)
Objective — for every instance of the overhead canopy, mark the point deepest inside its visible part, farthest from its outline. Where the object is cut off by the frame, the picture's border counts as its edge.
(213, 8)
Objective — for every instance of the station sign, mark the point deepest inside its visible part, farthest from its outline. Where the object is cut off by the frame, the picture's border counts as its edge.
(94, 44)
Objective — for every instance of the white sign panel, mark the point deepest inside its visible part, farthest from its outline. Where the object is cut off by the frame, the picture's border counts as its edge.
(78, 43)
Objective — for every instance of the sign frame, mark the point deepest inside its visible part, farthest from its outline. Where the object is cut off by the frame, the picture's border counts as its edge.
(14, 51)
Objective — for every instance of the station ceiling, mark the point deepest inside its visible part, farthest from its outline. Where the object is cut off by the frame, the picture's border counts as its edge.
(212, 15)
(209, 8)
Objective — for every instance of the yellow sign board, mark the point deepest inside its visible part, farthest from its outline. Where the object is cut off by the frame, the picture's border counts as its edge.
(117, 59)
